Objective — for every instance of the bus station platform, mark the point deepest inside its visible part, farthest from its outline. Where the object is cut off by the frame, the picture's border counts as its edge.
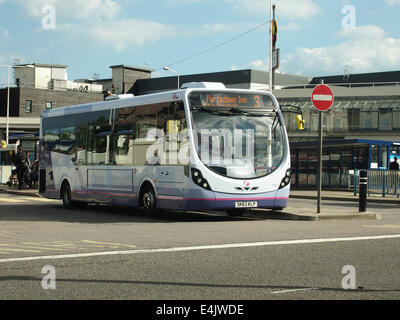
(292, 212)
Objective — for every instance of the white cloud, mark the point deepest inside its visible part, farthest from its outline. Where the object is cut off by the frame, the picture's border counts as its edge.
(365, 49)
(392, 2)
(122, 33)
(289, 27)
(291, 9)
(4, 34)
(102, 21)
(99, 21)
(259, 64)
(73, 9)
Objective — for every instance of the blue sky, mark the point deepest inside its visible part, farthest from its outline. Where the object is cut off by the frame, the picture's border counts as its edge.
(315, 36)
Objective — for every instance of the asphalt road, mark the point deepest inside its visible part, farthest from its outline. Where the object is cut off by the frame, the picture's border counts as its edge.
(117, 254)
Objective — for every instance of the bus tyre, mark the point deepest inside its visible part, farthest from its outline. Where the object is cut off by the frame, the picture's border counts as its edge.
(66, 196)
(148, 200)
(236, 212)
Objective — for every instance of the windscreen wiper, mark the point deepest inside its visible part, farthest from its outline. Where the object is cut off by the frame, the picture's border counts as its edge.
(212, 111)
(252, 114)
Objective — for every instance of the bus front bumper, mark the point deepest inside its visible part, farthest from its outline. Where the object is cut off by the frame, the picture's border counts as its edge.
(208, 200)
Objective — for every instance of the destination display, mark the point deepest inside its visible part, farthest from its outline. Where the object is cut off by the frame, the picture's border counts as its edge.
(217, 99)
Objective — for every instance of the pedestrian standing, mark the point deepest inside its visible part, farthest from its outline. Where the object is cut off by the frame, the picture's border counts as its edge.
(394, 176)
(394, 165)
(20, 162)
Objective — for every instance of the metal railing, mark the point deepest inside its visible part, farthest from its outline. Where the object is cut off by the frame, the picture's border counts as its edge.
(380, 182)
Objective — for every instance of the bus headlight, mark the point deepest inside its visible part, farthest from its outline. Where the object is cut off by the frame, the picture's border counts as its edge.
(286, 180)
(198, 179)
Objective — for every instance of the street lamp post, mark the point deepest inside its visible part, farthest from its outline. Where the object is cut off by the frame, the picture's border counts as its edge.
(8, 100)
(169, 69)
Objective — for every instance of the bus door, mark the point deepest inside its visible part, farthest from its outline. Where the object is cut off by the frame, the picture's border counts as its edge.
(80, 161)
(170, 183)
(170, 174)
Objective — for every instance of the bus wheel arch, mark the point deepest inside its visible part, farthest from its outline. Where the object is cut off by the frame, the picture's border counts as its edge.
(66, 197)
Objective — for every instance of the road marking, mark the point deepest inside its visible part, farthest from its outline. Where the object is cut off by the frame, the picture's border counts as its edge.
(293, 290)
(14, 200)
(38, 247)
(19, 250)
(40, 199)
(110, 244)
(4, 233)
(388, 226)
(28, 246)
(208, 247)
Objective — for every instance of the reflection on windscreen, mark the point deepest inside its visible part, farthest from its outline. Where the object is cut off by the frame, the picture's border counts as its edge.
(238, 145)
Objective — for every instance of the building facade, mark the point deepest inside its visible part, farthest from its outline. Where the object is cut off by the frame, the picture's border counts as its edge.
(361, 131)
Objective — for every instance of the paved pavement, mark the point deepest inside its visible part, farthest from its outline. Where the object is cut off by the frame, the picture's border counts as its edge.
(291, 212)
(105, 253)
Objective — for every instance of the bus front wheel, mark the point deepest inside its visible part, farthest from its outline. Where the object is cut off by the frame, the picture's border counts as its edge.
(148, 200)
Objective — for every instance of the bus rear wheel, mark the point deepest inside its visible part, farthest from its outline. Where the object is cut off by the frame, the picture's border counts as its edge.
(67, 199)
(66, 196)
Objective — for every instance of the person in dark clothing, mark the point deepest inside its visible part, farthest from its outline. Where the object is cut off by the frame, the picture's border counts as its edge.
(33, 179)
(394, 165)
(20, 161)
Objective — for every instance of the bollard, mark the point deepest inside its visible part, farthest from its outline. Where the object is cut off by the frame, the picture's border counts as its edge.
(362, 206)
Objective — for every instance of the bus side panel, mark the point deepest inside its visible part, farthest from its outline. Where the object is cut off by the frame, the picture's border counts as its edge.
(48, 176)
(196, 198)
(282, 197)
(62, 170)
(170, 187)
(46, 184)
(111, 186)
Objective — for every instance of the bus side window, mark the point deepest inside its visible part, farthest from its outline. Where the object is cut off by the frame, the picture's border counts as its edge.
(81, 141)
(145, 122)
(123, 136)
(100, 134)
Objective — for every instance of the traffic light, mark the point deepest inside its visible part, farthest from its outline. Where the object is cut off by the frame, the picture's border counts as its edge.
(3, 144)
(300, 122)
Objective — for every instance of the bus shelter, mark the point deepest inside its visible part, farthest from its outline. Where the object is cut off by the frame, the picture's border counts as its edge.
(339, 160)
(30, 142)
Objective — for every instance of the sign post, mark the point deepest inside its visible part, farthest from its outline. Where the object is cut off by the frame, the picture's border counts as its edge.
(322, 99)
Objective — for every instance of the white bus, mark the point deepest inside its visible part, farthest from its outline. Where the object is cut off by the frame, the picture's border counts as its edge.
(203, 147)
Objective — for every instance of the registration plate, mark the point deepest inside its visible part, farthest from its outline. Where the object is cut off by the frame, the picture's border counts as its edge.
(246, 204)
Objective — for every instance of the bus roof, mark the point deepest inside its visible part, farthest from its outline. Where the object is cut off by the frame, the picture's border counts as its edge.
(130, 100)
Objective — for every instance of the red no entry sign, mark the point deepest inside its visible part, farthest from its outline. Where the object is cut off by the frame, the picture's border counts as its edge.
(322, 97)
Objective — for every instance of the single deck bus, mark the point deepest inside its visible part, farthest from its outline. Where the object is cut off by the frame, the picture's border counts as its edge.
(202, 147)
